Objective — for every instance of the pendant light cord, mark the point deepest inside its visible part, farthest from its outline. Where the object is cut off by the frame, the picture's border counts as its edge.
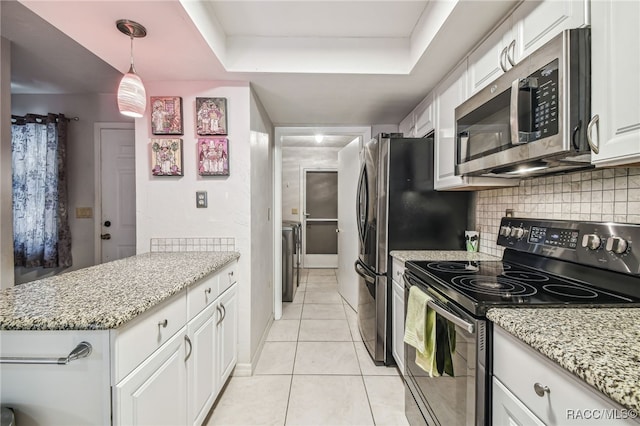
(132, 69)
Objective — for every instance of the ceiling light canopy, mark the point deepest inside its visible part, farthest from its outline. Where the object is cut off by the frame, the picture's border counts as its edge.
(132, 97)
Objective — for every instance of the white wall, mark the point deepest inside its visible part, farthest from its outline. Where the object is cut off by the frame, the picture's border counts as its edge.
(6, 218)
(166, 206)
(294, 161)
(261, 225)
(89, 108)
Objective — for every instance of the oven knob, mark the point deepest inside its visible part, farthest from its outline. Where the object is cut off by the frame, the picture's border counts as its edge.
(517, 232)
(617, 245)
(591, 241)
(505, 231)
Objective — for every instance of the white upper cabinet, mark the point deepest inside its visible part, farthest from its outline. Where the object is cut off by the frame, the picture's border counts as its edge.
(615, 82)
(489, 60)
(407, 126)
(537, 22)
(530, 26)
(424, 117)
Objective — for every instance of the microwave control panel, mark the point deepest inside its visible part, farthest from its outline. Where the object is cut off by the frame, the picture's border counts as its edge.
(538, 96)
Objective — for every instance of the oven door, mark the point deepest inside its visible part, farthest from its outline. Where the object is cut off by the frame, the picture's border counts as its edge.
(461, 399)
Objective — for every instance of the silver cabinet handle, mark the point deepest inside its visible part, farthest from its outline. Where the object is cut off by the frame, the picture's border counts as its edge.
(231, 273)
(511, 48)
(594, 122)
(186, 339)
(208, 290)
(163, 324)
(83, 350)
(503, 59)
(221, 315)
(541, 389)
(224, 312)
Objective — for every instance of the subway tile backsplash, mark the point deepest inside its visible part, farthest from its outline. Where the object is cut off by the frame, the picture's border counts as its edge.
(193, 244)
(603, 195)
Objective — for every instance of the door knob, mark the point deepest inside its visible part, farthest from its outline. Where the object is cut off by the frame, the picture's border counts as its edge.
(105, 236)
(107, 223)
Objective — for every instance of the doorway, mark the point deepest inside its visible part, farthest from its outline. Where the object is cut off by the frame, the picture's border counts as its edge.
(320, 219)
(115, 202)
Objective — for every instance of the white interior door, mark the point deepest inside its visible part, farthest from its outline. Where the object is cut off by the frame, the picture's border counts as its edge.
(320, 218)
(118, 194)
(348, 167)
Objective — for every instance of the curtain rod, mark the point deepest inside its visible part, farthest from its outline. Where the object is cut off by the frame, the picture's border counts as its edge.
(19, 117)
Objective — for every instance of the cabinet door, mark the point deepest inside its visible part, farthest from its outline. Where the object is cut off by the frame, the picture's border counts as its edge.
(537, 22)
(397, 315)
(201, 364)
(509, 410)
(155, 392)
(406, 126)
(484, 62)
(424, 117)
(228, 333)
(615, 47)
(449, 94)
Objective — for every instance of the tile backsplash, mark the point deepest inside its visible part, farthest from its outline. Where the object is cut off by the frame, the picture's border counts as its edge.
(193, 244)
(605, 195)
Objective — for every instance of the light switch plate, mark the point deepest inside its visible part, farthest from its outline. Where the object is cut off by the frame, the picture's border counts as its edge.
(294, 211)
(201, 199)
(84, 212)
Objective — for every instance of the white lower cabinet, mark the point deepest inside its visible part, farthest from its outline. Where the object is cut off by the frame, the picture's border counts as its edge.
(532, 389)
(227, 333)
(155, 392)
(201, 364)
(397, 314)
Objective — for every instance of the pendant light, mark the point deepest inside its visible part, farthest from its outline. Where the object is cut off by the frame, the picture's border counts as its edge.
(132, 98)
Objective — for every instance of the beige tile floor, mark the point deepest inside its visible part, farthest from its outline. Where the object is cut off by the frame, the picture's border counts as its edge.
(314, 369)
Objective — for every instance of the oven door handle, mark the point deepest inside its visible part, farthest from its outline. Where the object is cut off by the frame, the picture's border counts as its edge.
(442, 310)
(362, 271)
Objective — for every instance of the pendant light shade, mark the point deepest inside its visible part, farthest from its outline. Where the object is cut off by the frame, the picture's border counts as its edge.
(132, 97)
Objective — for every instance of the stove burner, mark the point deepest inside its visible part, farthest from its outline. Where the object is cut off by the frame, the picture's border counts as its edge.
(461, 267)
(494, 286)
(570, 291)
(526, 276)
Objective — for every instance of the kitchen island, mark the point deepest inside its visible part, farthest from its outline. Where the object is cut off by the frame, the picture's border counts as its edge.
(162, 328)
(600, 346)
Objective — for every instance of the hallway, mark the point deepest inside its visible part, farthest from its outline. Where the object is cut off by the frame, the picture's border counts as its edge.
(314, 369)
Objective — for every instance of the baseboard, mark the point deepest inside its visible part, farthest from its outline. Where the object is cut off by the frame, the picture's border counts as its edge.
(246, 369)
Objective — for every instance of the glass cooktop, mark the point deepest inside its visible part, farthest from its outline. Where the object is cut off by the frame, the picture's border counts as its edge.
(478, 286)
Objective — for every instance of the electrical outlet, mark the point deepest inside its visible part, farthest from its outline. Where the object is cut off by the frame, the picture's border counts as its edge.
(508, 212)
(201, 199)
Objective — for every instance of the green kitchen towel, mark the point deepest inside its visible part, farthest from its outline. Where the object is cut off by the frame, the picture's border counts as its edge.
(420, 330)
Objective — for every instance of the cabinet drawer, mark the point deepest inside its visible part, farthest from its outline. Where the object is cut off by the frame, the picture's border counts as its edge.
(201, 294)
(397, 271)
(138, 339)
(519, 367)
(228, 275)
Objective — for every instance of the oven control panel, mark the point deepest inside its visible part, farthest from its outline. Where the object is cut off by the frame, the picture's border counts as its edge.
(603, 245)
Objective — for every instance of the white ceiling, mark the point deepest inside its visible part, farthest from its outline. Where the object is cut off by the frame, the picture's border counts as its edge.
(310, 62)
(309, 141)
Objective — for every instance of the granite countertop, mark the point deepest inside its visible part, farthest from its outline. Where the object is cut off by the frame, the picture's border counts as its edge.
(407, 255)
(105, 296)
(599, 345)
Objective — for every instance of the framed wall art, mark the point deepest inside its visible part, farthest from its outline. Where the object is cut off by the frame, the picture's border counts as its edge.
(166, 157)
(166, 115)
(211, 116)
(213, 156)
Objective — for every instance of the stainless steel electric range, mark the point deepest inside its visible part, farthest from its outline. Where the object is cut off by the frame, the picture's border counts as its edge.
(546, 263)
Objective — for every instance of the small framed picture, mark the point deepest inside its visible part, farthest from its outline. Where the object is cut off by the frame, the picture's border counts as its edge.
(166, 157)
(211, 116)
(213, 156)
(166, 115)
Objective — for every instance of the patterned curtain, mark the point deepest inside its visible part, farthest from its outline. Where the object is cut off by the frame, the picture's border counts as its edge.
(41, 235)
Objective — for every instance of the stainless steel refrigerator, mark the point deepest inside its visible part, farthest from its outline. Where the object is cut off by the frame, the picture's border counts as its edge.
(398, 209)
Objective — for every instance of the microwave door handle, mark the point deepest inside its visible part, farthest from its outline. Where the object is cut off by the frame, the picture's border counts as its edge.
(514, 113)
(435, 305)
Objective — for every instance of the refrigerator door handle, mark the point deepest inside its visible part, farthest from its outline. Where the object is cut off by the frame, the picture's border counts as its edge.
(360, 219)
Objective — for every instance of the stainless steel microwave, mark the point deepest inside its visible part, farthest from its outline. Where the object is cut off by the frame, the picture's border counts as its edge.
(531, 120)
